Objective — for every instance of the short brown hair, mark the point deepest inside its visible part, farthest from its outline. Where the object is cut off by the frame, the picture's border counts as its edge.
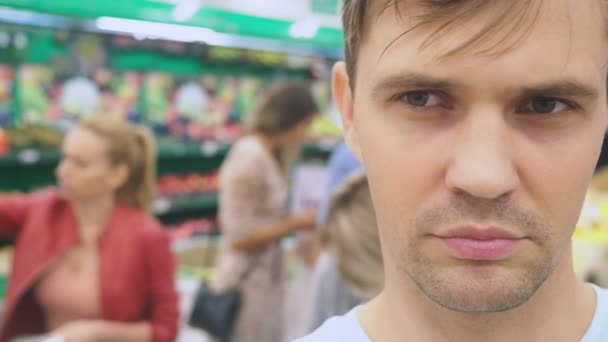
(510, 24)
(282, 107)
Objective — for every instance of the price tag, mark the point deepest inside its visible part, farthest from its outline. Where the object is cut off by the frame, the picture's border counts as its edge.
(210, 148)
(161, 205)
(29, 157)
(327, 144)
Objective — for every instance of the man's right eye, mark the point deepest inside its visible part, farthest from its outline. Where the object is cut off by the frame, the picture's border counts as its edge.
(421, 98)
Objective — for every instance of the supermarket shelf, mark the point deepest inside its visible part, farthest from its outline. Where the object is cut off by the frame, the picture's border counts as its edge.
(30, 157)
(176, 209)
(31, 169)
(35, 157)
(168, 153)
(207, 149)
(186, 158)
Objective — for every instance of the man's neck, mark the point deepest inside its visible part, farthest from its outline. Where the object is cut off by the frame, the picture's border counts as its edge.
(560, 310)
(92, 217)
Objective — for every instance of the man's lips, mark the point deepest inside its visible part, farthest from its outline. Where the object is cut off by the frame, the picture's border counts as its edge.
(480, 242)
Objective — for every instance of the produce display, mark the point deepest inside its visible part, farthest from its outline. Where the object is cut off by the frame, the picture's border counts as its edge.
(193, 97)
(193, 183)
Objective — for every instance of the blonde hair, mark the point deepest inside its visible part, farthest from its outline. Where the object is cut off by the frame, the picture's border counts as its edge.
(133, 146)
(352, 233)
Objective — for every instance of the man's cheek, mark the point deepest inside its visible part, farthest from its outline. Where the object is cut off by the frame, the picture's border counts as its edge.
(376, 148)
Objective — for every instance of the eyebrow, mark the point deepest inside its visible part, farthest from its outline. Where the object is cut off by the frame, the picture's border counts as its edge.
(412, 81)
(566, 88)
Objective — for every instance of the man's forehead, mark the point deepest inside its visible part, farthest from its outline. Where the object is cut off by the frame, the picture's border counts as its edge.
(560, 32)
(491, 26)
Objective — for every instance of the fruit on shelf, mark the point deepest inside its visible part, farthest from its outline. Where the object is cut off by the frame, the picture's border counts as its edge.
(190, 228)
(176, 185)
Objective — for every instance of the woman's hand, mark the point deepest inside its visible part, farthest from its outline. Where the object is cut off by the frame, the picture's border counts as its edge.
(305, 221)
(79, 331)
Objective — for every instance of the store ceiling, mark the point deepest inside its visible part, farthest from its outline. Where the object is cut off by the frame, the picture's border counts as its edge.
(270, 19)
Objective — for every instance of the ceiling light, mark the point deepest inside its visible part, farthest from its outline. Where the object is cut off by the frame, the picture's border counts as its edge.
(306, 28)
(186, 9)
(180, 33)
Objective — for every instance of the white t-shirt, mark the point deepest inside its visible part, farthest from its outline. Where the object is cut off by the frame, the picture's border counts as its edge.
(348, 328)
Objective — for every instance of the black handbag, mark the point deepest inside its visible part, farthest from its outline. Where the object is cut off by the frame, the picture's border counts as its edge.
(215, 312)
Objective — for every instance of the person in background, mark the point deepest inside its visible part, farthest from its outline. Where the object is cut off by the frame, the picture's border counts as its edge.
(90, 264)
(341, 164)
(350, 270)
(253, 210)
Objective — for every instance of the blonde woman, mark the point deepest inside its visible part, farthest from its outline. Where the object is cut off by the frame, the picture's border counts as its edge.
(90, 264)
(350, 271)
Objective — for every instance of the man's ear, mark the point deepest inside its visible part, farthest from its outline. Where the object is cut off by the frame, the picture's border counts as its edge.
(344, 99)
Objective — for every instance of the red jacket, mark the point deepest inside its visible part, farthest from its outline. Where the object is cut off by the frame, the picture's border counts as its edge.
(136, 268)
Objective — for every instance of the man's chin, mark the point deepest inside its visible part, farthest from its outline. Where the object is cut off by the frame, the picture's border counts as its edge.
(485, 291)
(481, 302)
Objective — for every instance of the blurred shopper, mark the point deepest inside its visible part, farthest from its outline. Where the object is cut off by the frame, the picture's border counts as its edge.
(253, 210)
(342, 163)
(90, 264)
(350, 271)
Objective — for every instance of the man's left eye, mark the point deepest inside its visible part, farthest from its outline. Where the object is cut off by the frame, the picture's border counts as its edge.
(544, 105)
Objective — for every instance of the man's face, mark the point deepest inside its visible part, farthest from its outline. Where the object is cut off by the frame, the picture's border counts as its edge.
(478, 165)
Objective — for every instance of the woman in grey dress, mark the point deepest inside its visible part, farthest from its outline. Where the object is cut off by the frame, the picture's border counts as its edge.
(253, 215)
